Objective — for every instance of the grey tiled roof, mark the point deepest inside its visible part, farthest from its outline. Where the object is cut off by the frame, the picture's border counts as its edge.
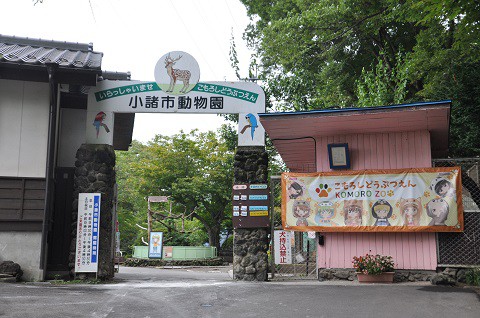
(38, 51)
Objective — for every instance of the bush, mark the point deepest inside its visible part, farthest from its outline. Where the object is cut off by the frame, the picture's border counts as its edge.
(472, 277)
(141, 262)
(373, 264)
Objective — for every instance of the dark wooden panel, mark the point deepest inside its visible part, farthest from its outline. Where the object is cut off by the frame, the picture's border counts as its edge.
(10, 214)
(11, 193)
(33, 204)
(33, 215)
(22, 203)
(10, 204)
(35, 184)
(122, 131)
(33, 194)
(31, 226)
(11, 183)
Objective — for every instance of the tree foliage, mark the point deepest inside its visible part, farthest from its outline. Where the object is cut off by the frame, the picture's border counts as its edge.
(195, 170)
(319, 54)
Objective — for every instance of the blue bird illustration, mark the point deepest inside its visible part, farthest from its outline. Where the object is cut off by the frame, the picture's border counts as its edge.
(252, 123)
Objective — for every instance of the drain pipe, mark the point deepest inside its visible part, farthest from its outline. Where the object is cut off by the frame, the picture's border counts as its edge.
(50, 167)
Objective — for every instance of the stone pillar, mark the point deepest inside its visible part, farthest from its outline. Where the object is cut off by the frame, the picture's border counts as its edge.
(250, 246)
(95, 173)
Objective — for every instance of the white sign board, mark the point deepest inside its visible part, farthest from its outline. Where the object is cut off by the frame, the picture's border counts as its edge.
(109, 97)
(283, 246)
(88, 230)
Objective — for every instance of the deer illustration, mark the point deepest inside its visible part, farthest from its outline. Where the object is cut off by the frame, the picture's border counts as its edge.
(174, 74)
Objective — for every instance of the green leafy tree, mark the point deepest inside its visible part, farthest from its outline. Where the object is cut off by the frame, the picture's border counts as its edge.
(195, 171)
(383, 85)
(320, 54)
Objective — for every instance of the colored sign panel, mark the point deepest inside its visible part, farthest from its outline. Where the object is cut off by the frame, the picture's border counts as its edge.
(155, 244)
(250, 206)
(402, 200)
(239, 187)
(258, 186)
(258, 197)
(283, 242)
(258, 208)
(86, 251)
(259, 213)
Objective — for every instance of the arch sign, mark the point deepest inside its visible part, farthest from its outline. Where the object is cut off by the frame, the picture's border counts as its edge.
(176, 90)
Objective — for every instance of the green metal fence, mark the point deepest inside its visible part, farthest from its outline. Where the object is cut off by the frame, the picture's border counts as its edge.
(176, 253)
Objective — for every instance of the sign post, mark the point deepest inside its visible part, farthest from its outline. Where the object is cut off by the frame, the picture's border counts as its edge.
(250, 206)
(88, 231)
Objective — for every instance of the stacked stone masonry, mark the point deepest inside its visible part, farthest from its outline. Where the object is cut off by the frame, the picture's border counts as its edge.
(95, 173)
(443, 276)
(250, 246)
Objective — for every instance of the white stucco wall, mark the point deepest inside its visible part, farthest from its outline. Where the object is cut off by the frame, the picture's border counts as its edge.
(23, 248)
(24, 108)
(72, 135)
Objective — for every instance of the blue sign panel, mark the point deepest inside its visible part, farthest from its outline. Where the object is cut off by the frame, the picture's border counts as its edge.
(96, 218)
(258, 197)
(258, 186)
(258, 207)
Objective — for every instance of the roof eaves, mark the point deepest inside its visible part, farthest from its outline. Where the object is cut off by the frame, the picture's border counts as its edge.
(73, 46)
(358, 110)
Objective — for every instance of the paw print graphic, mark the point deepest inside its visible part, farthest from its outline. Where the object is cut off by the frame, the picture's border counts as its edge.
(323, 190)
(426, 194)
(390, 193)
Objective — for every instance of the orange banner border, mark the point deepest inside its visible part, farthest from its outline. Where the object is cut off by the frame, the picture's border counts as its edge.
(457, 228)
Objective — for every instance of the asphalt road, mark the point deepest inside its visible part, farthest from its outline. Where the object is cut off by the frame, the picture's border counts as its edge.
(150, 292)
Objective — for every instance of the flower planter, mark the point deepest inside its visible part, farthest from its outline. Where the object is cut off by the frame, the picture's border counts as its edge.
(385, 278)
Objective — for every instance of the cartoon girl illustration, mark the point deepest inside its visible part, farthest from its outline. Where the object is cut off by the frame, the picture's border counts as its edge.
(443, 188)
(99, 118)
(382, 211)
(352, 212)
(411, 210)
(295, 190)
(438, 210)
(324, 216)
(301, 210)
(155, 242)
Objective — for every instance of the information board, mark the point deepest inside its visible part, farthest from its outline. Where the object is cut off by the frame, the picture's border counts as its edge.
(86, 255)
(250, 206)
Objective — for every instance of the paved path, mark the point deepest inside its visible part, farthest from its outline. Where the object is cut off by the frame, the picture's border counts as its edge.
(210, 292)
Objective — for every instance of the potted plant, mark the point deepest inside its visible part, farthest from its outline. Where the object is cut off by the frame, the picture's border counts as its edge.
(374, 268)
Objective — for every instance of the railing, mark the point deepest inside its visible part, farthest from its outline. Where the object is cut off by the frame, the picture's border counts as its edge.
(177, 253)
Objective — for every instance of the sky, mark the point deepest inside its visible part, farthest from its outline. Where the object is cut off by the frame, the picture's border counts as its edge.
(133, 35)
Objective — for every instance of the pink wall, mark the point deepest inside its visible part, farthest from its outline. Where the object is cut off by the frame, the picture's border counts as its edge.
(380, 151)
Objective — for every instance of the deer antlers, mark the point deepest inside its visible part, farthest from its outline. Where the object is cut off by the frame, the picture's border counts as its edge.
(168, 59)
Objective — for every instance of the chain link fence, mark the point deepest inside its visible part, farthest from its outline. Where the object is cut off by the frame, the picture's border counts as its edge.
(302, 249)
(463, 249)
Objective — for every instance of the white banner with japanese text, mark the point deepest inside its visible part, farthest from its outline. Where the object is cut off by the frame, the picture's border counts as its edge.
(88, 231)
(109, 97)
(283, 242)
(402, 200)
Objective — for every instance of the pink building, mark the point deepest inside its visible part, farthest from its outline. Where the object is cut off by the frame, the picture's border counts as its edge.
(389, 137)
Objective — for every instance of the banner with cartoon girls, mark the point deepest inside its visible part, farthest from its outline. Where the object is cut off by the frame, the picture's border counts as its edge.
(402, 200)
